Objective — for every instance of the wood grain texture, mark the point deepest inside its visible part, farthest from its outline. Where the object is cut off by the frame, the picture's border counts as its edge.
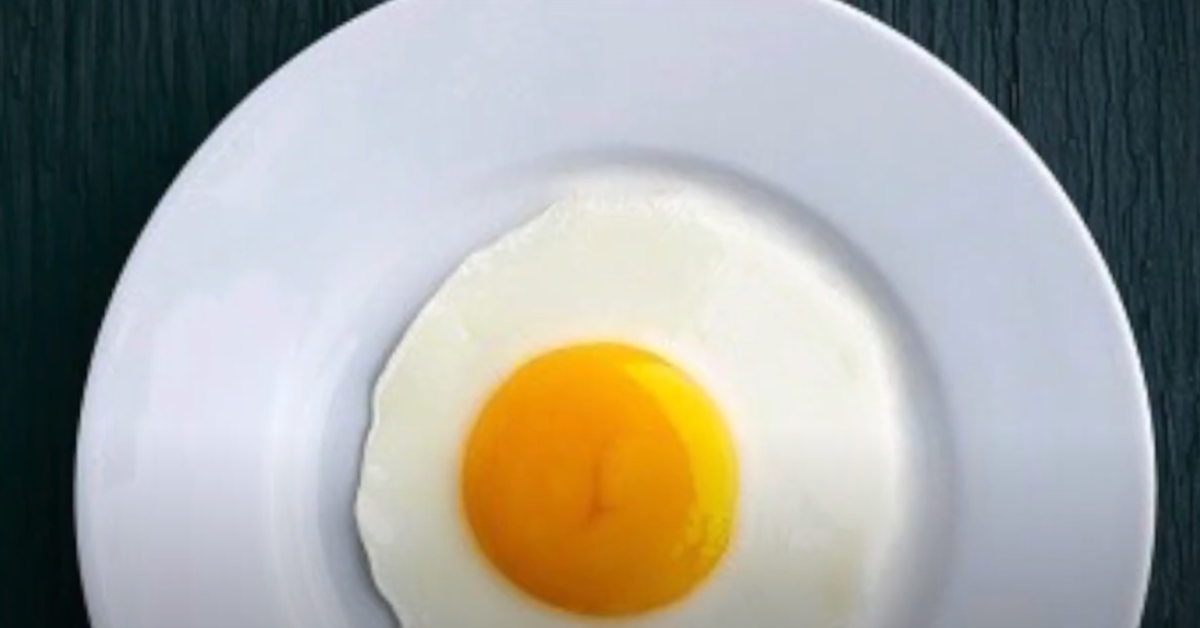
(102, 102)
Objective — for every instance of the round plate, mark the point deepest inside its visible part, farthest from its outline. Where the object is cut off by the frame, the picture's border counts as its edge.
(230, 387)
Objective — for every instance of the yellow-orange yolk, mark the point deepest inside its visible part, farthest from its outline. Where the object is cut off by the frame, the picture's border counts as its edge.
(600, 479)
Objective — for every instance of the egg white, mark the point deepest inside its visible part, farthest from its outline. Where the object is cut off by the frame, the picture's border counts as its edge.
(799, 363)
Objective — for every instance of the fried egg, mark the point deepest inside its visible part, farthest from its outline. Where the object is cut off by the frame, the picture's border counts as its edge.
(639, 408)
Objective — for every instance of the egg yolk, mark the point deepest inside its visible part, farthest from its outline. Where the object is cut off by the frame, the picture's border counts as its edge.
(599, 479)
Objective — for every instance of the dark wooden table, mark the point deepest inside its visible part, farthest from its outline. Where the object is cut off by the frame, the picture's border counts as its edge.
(101, 102)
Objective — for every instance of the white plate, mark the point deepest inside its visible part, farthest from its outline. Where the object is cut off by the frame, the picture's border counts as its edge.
(229, 390)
